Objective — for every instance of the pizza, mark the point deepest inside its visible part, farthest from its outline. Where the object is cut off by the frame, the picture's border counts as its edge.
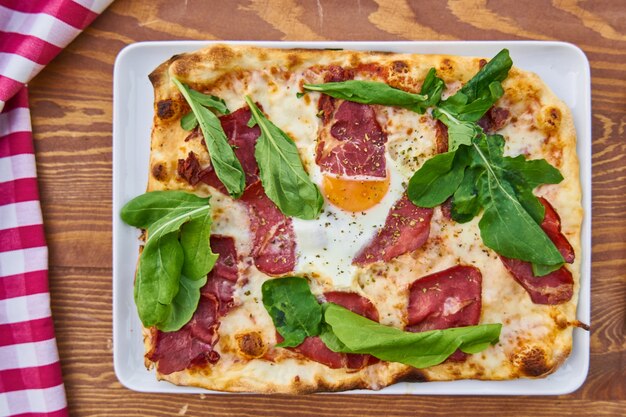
(325, 220)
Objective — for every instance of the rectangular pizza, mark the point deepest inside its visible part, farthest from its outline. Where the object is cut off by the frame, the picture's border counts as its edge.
(325, 220)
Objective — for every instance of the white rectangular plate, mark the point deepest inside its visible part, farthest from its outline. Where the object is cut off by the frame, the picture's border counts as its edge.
(562, 66)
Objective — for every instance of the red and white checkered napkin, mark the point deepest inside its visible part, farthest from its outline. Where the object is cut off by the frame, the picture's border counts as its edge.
(32, 33)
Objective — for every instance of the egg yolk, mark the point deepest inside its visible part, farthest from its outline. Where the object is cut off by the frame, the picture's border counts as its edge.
(354, 195)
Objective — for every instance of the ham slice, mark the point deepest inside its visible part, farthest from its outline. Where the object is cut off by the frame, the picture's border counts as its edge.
(558, 286)
(449, 298)
(352, 142)
(406, 229)
(222, 278)
(495, 119)
(274, 247)
(356, 143)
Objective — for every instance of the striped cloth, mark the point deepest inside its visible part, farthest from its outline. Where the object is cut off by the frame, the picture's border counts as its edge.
(32, 33)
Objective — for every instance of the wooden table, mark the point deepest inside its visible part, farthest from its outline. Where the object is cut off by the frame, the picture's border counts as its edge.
(72, 107)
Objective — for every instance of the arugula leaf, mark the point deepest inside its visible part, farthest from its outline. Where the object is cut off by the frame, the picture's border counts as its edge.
(184, 304)
(189, 121)
(460, 132)
(178, 229)
(226, 165)
(374, 92)
(460, 111)
(284, 179)
(432, 87)
(534, 172)
(146, 209)
(195, 239)
(357, 334)
(208, 100)
(466, 204)
(440, 177)
(156, 281)
(506, 226)
(496, 70)
(542, 270)
(293, 308)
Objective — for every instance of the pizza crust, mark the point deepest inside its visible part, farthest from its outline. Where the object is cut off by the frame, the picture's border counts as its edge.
(535, 339)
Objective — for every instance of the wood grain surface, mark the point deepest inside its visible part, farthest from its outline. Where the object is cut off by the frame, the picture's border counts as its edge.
(72, 106)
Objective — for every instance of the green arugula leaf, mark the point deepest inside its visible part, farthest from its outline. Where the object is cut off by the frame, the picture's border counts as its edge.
(156, 281)
(357, 334)
(293, 308)
(460, 132)
(374, 92)
(496, 70)
(284, 179)
(226, 165)
(466, 204)
(432, 87)
(460, 111)
(184, 304)
(543, 270)
(506, 226)
(148, 208)
(210, 101)
(534, 172)
(189, 121)
(438, 179)
(195, 239)
(178, 232)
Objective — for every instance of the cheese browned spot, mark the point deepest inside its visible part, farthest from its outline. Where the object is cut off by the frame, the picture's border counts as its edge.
(159, 172)
(532, 361)
(167, 109)
(251, 344)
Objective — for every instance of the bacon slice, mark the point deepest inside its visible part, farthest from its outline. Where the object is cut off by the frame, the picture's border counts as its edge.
(191, 171)
(552, 226)
(495, 119)
(241, 137)
(222, 278)
(356, 146)
(441, 137)
(175, 351)
(314, 349)
(406, 228)
(449, 298)
(193, 343)
(274, 247)
(352, 142)
(558, 286)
